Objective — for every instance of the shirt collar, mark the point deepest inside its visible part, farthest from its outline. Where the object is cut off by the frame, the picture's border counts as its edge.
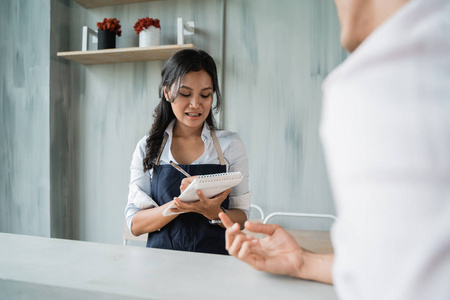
(206, 132)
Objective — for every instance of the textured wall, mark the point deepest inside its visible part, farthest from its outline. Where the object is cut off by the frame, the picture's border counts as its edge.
(277, 56)
(63, 136)
(24, 117)
(69, 130)
(116, 103)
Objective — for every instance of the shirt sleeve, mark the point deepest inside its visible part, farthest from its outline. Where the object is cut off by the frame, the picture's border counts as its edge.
(139, 186)
(240, 196)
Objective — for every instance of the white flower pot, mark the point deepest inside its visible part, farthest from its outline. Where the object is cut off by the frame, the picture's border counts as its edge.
(149, 37)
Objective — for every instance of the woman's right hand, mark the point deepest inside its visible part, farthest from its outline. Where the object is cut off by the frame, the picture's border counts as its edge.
(186, 182)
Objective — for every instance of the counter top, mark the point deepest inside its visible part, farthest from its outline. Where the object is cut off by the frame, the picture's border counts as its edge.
(47, 268)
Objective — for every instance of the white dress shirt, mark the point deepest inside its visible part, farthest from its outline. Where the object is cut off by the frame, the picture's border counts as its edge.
(386, 134)
(233, 150)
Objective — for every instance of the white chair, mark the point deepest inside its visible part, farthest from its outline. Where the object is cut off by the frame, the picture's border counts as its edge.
(314, 240)
(127, 235)
(261, 212)
(259, 209)
(293, 214)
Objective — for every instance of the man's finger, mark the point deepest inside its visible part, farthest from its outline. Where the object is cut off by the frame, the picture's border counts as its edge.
(226, 221)
(232, 230)
(245, 249)
(235, 247)
(268, 229)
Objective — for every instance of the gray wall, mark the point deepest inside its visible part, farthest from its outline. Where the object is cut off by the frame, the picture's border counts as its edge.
(24, 117)
(276, 59)
(63, 120)
(276, 55)
(116, 103)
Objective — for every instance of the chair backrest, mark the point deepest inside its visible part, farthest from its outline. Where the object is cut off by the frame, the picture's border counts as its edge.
(294, 214)
(259, 209)
(314, 240)
(127, 235)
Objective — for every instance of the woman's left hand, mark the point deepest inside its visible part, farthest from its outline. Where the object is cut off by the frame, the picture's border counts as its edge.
(210, 208)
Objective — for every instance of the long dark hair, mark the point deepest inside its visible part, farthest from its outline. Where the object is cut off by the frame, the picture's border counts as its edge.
(181, 63)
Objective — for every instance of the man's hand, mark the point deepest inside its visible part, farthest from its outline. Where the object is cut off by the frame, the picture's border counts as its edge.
(277, 253)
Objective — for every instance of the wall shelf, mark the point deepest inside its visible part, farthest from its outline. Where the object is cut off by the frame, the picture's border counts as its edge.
(123, 55)
(102, 3)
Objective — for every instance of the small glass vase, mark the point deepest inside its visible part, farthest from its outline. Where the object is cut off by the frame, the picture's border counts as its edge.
(149, 37)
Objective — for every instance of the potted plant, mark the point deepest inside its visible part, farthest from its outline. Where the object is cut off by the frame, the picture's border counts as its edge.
(149, 31)
(107, 31)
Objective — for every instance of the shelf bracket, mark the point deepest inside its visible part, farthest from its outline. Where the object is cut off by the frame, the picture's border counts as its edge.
(85, 40)
(183, 29)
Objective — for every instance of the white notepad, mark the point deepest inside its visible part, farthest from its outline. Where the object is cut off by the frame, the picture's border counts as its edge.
(211, 185)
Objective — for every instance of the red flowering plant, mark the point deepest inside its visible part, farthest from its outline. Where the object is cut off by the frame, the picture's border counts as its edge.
(111, 24)
(145, 23)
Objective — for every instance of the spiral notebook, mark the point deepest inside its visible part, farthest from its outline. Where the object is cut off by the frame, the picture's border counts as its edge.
(211, 185)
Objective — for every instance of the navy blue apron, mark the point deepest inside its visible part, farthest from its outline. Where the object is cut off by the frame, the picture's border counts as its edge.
(189, 231)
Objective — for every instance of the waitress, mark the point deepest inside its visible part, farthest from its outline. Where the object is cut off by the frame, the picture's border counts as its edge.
(184, 132)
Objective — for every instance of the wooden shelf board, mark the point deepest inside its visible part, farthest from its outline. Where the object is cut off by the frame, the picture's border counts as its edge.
(102, 3)
(123, 55)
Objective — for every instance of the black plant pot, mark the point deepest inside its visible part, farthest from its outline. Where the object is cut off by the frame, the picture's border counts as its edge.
(106, 39)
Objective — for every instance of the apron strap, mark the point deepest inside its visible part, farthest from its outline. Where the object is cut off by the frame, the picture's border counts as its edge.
(163, 144)
(218, 149)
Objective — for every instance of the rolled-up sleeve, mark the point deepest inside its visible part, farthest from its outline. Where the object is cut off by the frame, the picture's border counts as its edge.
(139, 186)
(240, 196)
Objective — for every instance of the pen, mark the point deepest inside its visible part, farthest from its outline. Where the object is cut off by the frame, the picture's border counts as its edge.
(179, 169)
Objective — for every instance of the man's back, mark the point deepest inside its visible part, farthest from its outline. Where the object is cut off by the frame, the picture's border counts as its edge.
(386, 132)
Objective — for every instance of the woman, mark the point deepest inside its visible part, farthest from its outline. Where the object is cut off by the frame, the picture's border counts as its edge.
(184, 132)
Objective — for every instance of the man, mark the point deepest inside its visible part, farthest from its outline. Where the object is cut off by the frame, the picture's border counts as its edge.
(386, 135)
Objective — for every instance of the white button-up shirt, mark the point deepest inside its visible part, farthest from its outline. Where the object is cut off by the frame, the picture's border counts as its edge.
(386, 135)
(233, 150)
